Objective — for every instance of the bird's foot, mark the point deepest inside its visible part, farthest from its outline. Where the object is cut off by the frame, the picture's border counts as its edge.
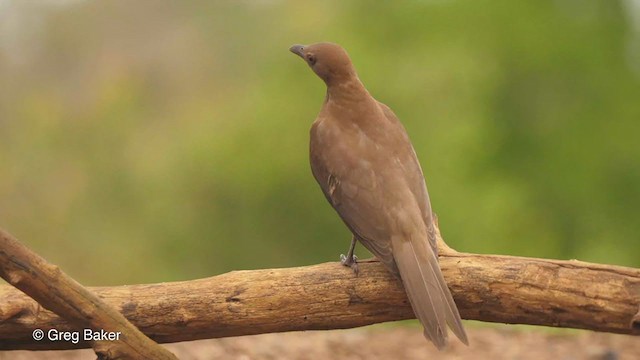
(351, 262)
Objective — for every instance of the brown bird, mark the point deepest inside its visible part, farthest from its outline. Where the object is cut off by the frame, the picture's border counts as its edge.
(367, 168)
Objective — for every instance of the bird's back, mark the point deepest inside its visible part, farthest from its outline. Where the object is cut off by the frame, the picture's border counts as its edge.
(368, 149)
(358, 157)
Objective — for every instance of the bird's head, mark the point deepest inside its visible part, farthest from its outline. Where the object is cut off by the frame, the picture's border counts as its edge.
(329, 61)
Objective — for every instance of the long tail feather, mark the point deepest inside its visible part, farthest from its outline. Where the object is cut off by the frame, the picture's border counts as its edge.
(427, 290)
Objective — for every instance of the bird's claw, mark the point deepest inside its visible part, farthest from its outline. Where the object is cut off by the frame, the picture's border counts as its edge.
(351, 262)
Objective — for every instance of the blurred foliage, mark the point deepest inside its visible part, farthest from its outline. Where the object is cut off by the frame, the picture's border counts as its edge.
(155, 141)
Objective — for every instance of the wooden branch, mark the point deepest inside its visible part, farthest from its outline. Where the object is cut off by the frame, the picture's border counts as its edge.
(58, 292)
(503, 289)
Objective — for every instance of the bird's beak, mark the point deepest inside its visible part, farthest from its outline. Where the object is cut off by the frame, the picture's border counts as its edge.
(297, 49)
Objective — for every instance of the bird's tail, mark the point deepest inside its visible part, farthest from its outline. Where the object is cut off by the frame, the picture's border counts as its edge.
(427, 290)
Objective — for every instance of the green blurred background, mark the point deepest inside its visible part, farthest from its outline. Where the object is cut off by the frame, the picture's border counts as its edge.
(153, 141)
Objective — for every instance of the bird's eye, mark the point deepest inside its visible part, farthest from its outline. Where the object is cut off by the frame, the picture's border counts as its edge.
(311, 59)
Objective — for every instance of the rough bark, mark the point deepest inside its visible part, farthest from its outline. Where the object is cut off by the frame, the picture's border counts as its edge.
(58, 292)
(491, 288)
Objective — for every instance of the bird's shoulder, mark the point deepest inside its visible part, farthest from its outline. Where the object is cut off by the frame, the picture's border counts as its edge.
(388, 113)
(394, 122)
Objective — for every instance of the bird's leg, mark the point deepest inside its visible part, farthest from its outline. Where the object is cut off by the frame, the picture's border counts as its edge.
(351, 260)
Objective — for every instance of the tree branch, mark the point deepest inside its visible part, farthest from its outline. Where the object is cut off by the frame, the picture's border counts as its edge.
(58, 292)
(503, 289)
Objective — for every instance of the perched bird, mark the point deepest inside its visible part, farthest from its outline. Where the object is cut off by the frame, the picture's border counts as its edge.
(367, 169)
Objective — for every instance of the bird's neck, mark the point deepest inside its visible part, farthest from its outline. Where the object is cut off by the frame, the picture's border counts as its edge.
(347, 91)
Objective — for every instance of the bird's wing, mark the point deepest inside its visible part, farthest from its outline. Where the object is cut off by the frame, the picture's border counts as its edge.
(359, 211)
(415, 181)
